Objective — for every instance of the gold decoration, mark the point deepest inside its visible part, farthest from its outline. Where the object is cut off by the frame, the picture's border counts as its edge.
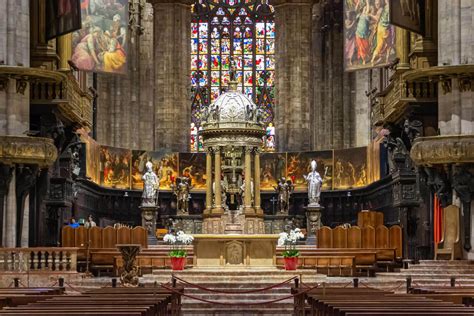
(27, 150)
(443, 150)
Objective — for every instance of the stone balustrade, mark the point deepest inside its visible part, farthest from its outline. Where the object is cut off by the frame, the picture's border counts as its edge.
(38, 259)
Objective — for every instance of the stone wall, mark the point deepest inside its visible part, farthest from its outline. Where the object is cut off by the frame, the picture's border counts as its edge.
(340, 110)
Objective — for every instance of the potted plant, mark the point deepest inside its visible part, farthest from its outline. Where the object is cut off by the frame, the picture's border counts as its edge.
(178, 253)
(290, 254)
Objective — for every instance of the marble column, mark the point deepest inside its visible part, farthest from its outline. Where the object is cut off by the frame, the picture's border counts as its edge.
(9, 240)
(172, 44)
(403, 48)
(208, 181)
(217, 182)
(248, 181)
(258, 209)
(65, 51)
(25, 232)
(293, 83)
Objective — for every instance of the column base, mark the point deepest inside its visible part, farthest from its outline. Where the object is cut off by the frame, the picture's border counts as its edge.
(217, 211)
(259, 210)
(249, 211)
(213, 225)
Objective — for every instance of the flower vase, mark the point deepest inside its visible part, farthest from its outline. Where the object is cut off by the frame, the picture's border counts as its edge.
(291, 263)
(178, 263)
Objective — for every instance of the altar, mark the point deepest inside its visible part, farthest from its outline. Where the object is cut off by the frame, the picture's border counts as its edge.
(217, 250)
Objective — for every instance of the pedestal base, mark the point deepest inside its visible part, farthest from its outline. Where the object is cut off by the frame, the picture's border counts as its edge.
(149, 218)
(313, 222)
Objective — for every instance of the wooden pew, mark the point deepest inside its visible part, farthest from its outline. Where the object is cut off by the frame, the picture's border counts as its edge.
(360, 301)
(106, 301)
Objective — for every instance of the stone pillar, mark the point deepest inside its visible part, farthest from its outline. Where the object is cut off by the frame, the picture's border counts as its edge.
(293, 84)
(258, 209)
(125, 104)
(456, 109)
(217, 182)
(25, 231)
(65, 51)
(172, 44)
(14, 51)
(248, 181)
(208, 181)
(10, 226)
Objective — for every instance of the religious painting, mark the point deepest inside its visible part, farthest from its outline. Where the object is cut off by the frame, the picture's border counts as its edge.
(350, 168)
(272, 168)
(299, 165)
(101, 44)
(115, 167)
(369, 38)
(408, 14)
(193, 166)
(92, 156)
(165, 165)
(63, 16)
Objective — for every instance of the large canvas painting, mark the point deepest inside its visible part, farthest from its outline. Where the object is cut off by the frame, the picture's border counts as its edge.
(299, 165)
(408, 14)
(92, 156)
(193, 166)
(165, 165)
(350, 168)
(272, 168)
(63, 16)
(115, 167)
(369, 38)
(101, 44)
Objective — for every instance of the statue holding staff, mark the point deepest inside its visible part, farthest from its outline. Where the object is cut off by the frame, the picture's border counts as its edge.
(151, 184)
(315, 183)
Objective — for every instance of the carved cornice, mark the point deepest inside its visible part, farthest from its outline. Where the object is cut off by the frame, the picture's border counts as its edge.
(74, 104)
(390, 105)
(27, 150)
(451, 149)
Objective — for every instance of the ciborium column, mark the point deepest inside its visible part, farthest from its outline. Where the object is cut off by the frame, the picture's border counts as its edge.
(258, 209)
(248, 208)
(208, 181)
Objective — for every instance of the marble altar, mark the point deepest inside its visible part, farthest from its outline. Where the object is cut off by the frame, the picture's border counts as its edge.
(214, 250)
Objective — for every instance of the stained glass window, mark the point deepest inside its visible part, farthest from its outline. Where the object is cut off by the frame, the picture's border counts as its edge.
(238, 30)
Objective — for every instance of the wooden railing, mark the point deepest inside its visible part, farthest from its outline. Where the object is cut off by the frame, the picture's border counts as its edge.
(38, 259)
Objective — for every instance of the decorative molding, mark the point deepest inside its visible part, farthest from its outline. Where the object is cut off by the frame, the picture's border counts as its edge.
(27, 150)
(448, 149)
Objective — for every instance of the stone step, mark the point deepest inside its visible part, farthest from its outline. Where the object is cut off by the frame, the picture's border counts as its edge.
(237, 311)
(236, 297)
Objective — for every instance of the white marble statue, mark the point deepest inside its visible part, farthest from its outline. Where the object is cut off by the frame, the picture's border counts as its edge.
(315, 183)
(151, 184)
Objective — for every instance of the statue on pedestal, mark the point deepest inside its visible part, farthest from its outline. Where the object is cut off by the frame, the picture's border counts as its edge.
(284, 189)
(151, 184)
(315, 183)
(181, 190)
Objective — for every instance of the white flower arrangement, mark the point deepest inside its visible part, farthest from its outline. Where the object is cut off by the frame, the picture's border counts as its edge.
(177, 242)
(289, 241)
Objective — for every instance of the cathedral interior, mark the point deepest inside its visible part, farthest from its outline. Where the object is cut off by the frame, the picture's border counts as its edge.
(128, 124)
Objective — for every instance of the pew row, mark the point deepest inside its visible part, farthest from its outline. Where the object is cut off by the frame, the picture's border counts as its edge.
(370, 301)
(105, 301)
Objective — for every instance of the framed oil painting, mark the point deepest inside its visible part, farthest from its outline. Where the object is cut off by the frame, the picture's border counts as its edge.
(299, 165)
(115, 167)
(193, 166)
(272, 168)
(350, 168)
